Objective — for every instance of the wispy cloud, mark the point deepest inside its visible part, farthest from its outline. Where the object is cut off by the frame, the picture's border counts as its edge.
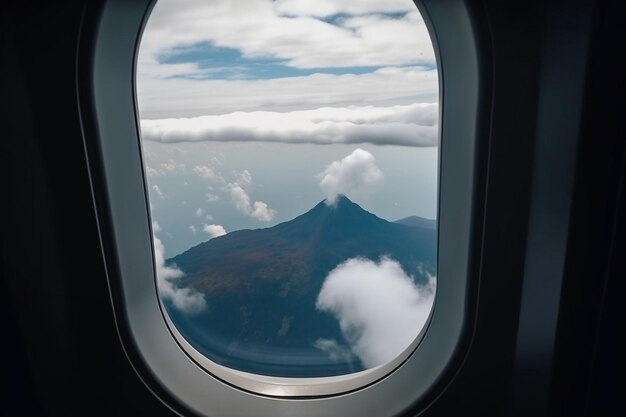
(379, 307)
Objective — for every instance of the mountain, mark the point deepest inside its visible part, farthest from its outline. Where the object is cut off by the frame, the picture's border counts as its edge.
(261, 285)
(415, 221)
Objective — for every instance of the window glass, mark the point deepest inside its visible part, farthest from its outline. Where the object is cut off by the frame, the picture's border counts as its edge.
(291, 152)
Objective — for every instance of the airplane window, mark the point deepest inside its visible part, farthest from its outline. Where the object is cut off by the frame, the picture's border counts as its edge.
(291, 158)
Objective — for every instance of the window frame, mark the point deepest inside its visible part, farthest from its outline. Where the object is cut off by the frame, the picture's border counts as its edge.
(112, 141)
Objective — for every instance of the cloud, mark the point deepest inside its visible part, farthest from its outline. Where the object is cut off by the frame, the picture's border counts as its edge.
(176, 97)
(214, 230)
(206, 172)
(281, 55)
(262, 212)
(184, 299)
(334, 7)
(200, 212)
(409, 125)
(351, 174)
(171, 166)
(193, 229)
(380, 309)
(289, 32)
(164, 169)
(158, 191)
(241, 200)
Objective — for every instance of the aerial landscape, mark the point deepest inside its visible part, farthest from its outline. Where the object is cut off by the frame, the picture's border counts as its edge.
(275, 306)
(291, 163)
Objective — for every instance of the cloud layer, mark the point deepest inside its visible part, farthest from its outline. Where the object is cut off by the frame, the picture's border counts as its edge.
(352, 173)
(408, 125)
(380, 309)
(186, 300)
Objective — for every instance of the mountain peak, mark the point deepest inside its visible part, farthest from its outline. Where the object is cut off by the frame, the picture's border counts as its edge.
(342, 205)
(339, 200)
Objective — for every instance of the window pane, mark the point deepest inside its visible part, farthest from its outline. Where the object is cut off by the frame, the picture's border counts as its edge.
(291, 159)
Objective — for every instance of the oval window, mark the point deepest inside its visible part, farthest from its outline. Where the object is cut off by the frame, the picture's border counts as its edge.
(291, 152)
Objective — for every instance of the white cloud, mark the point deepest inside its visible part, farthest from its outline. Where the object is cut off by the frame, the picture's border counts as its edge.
(193, 229)
(158, 191)
(214, 230)
(187, 300)
(261, 29)
(380, 309)
(351, 174)
(410, 125)
(240, 199)
(175, 97)
(204, 171)
(291, 33)
(262, 212)
(200, 212)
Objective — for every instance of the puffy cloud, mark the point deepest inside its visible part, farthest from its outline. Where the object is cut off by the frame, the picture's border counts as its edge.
(193, 229)
(210, 198)
(200, 212)
(409, 125)
(214, 230)
(380, 309)
(351, 174)
(184, 299)
(158, 191)
(241, 200)
(262, 212)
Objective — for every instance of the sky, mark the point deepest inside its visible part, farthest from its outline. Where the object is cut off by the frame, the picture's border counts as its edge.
(254, 111)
